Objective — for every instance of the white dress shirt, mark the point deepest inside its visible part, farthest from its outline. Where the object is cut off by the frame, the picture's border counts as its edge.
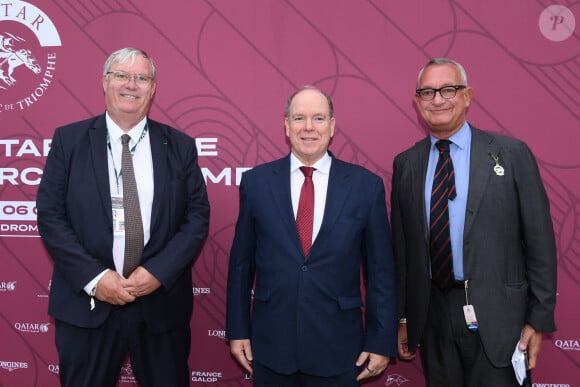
(320, 181)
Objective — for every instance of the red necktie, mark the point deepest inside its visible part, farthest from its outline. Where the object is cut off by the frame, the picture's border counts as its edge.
(305, 214)
(440, 241)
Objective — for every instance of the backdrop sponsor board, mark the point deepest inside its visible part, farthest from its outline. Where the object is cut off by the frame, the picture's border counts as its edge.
(225, 69)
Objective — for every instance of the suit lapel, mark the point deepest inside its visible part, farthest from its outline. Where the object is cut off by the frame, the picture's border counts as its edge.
(337, 192)
(281, 194)
(418, 176)
(99, 153)
(159, 145)
(480, 169)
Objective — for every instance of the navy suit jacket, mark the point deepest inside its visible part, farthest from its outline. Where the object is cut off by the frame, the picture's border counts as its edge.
(509, 250)
(306, 312)
(75, 222)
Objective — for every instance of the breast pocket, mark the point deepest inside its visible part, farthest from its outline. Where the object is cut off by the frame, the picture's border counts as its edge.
(347, 303)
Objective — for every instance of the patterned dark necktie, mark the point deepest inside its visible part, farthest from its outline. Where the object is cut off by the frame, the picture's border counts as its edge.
(440, 241)
(305, 214)
(133, 222)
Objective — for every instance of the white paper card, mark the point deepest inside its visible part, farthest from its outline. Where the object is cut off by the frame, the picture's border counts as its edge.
(519, 364)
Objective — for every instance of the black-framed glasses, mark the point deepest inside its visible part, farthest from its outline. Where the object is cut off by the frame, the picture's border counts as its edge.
(124, 77)
(446, 92)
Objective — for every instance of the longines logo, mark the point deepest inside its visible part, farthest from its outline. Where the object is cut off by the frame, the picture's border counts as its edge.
(31, 327)
(27, 58)
(205, 376)
(13, 365)
(216, 333)
(397, 379)
(9, 286)
(567, 345)
(200, 291)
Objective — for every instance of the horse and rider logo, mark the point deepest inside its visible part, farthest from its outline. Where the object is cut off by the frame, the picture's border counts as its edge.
(29, 44)
(11, 57)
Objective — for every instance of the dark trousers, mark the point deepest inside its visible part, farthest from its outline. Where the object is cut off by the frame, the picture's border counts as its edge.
(266, 377)
(452, 355)
(94, 357)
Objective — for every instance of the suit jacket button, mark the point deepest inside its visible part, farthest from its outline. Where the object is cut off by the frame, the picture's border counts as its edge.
(304, 268)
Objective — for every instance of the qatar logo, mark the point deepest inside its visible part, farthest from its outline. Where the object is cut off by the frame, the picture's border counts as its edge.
(126, 375)
(8, 286)
(31, 327)
(397, 379)
(28, 42)
(567, 345)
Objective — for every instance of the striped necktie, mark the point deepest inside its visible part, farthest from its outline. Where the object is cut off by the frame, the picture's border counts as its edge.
(440, 240)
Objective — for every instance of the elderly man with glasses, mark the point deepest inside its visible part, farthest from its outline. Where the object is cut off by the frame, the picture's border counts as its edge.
(122, 211)
(473, 241)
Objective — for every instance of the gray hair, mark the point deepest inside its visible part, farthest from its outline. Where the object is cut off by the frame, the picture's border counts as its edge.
(127, 55)
(440, 61)
(309, 87)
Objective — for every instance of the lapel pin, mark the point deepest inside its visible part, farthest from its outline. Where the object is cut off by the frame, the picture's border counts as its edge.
(498, 169)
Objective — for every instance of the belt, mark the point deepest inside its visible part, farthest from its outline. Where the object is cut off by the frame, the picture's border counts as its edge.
(454, 285)
(458, 284)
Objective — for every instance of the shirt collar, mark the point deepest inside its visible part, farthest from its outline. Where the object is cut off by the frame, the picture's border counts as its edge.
(115, 132)
(322, 165)
(461, 138)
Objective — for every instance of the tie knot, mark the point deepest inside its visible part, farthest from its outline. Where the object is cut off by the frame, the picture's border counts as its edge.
(443, 145)
(307, 171)
(125, 139)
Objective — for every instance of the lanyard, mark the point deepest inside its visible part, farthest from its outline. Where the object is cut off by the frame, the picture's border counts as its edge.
(132, 150)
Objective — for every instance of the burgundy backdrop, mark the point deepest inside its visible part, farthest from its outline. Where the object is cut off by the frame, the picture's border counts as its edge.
(225, 69)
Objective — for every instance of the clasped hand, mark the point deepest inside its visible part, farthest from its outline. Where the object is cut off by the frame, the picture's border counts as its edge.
(116, 290)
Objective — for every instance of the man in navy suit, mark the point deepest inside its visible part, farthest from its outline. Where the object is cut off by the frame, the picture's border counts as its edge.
(503, 251)
(304, 326)
(101, 314)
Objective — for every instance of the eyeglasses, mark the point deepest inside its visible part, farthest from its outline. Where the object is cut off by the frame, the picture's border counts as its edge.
(446, 92)
(316, 120)
(123, 77)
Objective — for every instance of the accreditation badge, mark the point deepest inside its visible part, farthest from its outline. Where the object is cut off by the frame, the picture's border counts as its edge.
(470, 319)
(469, 312)
(118, 216)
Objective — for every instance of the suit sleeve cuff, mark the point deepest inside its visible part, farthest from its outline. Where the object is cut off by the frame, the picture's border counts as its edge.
(93, 284)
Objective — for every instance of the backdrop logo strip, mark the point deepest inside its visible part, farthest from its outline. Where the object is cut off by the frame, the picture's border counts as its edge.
(27, 56)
